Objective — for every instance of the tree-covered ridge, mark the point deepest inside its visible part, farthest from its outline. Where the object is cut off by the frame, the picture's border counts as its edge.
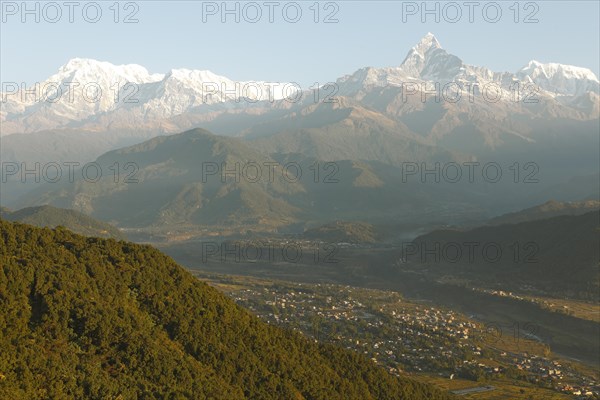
(557, 255)
(343, 231)
(549, 209)
(51, 217)
(90, 318)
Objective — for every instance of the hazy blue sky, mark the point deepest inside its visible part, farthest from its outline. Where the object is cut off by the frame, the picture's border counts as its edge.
(368, 33)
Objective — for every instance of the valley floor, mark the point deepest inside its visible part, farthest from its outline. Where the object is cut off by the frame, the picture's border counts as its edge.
(416, 338)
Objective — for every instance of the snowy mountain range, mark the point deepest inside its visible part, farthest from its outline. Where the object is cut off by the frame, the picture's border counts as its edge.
(428, 62)
(432, 108)
(84, 89)
(98, 96)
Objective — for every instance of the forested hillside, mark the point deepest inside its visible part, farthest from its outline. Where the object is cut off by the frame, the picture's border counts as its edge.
(89, 318)
(557, 255)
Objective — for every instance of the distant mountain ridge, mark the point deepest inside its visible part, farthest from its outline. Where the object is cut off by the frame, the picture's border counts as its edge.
(48, 216)
(559, 254)
(201, 183)
(560, 78)
(549, 209)
(343, 232)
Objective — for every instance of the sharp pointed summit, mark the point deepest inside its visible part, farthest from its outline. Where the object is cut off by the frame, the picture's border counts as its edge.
(427, 42)
(428, 58)
(426, 45)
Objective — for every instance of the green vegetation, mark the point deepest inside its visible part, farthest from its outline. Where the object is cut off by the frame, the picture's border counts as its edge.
(340, 231)
(51, 217)
(90, 318)
(415, 338)
(470, 289)
(557, 256)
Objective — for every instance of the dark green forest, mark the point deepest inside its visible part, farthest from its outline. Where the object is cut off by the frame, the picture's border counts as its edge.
(557, 255)
(91, 318)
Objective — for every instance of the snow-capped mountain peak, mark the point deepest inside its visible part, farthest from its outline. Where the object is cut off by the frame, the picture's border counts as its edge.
(560, 78)
(551, 69)
(84, 89)
(159, 97)
(428, 60)
(415, 64)
(185, 74)
(427, 42)
(87, 68)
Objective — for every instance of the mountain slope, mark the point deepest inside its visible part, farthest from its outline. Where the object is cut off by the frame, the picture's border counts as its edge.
(473, 110)
(339, 231)
(345, 130)
(558, 255)
(560, 78)
(87, 318)
(200, 184)
(51, 217)
(547, 210)
(197, 184)
(183, 180)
